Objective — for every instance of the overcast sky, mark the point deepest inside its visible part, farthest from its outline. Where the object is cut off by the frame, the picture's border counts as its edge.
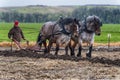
(7, 3)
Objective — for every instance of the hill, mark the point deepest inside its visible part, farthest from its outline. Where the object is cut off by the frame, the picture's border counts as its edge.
(49, 9)
(39, 9)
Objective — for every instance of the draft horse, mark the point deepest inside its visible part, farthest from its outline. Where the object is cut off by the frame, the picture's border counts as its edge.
(90, 27)
(57, 32)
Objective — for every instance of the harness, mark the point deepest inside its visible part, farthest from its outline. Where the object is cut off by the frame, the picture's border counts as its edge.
(84, 28)
(59, 32)
(55, 33)
(63, 22)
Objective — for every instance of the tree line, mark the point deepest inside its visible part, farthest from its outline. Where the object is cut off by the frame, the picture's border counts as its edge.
(107, 15)
(27, 17)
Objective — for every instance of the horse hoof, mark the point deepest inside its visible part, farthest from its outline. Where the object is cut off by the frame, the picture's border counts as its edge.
(56, 54)
(78, 55)
(88, 56)
(66, 54)
(45, 53)
(72, 54)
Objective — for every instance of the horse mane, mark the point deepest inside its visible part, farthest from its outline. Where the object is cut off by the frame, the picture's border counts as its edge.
(94, 18)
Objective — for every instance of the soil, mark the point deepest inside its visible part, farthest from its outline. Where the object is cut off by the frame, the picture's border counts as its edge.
(31, 65)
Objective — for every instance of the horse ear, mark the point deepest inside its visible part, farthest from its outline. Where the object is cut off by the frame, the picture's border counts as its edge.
(94, 18)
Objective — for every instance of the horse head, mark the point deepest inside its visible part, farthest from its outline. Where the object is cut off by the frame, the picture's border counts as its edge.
(93, 24)
(75, 27)
(69, 25)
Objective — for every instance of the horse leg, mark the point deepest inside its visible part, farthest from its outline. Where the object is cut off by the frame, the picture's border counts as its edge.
(79, 47)
(49, 47)
(79, 51)
(40, 45)
(45, 45)
(57, 49)
(72, 51)
(72, 48)
(88, 54)
(66, 50)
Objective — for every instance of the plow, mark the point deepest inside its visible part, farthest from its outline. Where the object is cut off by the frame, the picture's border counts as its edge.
(36, 48)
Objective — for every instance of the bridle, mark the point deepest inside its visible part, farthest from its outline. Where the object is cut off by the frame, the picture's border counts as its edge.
(95, 23)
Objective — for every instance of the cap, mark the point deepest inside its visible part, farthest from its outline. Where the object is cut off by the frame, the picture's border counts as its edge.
(16, 23)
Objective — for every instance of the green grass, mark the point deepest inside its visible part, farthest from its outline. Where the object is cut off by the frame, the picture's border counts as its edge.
(31, 31)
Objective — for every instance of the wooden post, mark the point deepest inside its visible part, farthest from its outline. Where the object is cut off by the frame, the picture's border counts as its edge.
(11, 46)
(109, 36)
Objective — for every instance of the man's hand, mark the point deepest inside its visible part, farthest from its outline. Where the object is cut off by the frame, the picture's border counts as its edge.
(11, 39)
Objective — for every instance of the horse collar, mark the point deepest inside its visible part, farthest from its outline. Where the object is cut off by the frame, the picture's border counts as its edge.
(65, 32)
(85, 29)
(89, 31)
(63, 29)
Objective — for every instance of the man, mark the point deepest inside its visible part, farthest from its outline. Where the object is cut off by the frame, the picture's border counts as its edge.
(16, 34)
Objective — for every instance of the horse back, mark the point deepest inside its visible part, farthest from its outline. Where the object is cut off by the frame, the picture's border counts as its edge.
(47, 28)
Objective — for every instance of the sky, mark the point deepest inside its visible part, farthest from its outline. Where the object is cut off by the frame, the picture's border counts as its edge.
(10, 3)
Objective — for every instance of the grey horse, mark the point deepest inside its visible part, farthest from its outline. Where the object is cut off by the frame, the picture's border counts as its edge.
(90, 27)
(57, 32)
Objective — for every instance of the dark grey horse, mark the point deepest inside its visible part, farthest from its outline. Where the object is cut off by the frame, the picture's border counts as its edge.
(57, 32)
(89, 27)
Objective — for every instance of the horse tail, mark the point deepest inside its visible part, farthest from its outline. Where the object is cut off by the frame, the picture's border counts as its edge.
(39, 38)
